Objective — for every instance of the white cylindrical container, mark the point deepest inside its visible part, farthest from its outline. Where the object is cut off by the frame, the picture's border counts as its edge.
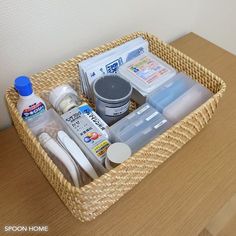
(116, 154)
(112, 97)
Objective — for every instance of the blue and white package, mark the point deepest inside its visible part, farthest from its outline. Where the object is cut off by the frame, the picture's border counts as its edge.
(94, 118)
(109, 62)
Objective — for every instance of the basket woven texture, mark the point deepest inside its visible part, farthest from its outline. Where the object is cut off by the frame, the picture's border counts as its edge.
(87, 202)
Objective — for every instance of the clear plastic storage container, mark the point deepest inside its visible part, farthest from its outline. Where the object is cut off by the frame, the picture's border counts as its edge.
(178, 97)
(146, 73)
(139, 127)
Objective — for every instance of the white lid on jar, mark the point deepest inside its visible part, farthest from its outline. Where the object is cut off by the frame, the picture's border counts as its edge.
(118, 153)
(59, 93)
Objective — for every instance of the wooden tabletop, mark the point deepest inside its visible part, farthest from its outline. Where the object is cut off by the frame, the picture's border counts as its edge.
(178, 198)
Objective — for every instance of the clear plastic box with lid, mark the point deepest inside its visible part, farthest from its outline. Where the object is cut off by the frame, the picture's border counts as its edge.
(139, 127)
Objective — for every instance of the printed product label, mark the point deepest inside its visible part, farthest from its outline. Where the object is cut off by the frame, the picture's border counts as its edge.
(116, 111)
(143, 110)
(33, 111)
(160, 124)
(152, 116)
(87, 132)
(113, 66)
(98, 122)
(112, 63)
(101, 149)
(148, 69)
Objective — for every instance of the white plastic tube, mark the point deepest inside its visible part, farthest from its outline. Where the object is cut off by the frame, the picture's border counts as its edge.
(52, 146)
(76, 153)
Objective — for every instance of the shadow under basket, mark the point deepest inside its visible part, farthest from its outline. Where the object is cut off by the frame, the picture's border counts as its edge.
(89, 201)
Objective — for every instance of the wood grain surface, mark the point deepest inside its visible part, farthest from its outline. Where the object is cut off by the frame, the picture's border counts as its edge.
(179, 198)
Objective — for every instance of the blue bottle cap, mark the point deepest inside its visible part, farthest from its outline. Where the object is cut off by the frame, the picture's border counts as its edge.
(23, 85)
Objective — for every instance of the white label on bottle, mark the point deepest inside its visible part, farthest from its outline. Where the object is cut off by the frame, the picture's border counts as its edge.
(152, 115)
(33, 110)
(116, 111)
(143, 110)
(160, 124)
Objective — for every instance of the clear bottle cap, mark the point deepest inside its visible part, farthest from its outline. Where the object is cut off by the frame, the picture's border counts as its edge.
(63, 98)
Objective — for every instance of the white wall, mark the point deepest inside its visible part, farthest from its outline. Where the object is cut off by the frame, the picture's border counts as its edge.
(215, 20)
(35, 35)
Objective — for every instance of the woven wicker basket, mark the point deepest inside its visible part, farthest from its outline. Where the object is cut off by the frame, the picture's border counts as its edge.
(93, 199)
